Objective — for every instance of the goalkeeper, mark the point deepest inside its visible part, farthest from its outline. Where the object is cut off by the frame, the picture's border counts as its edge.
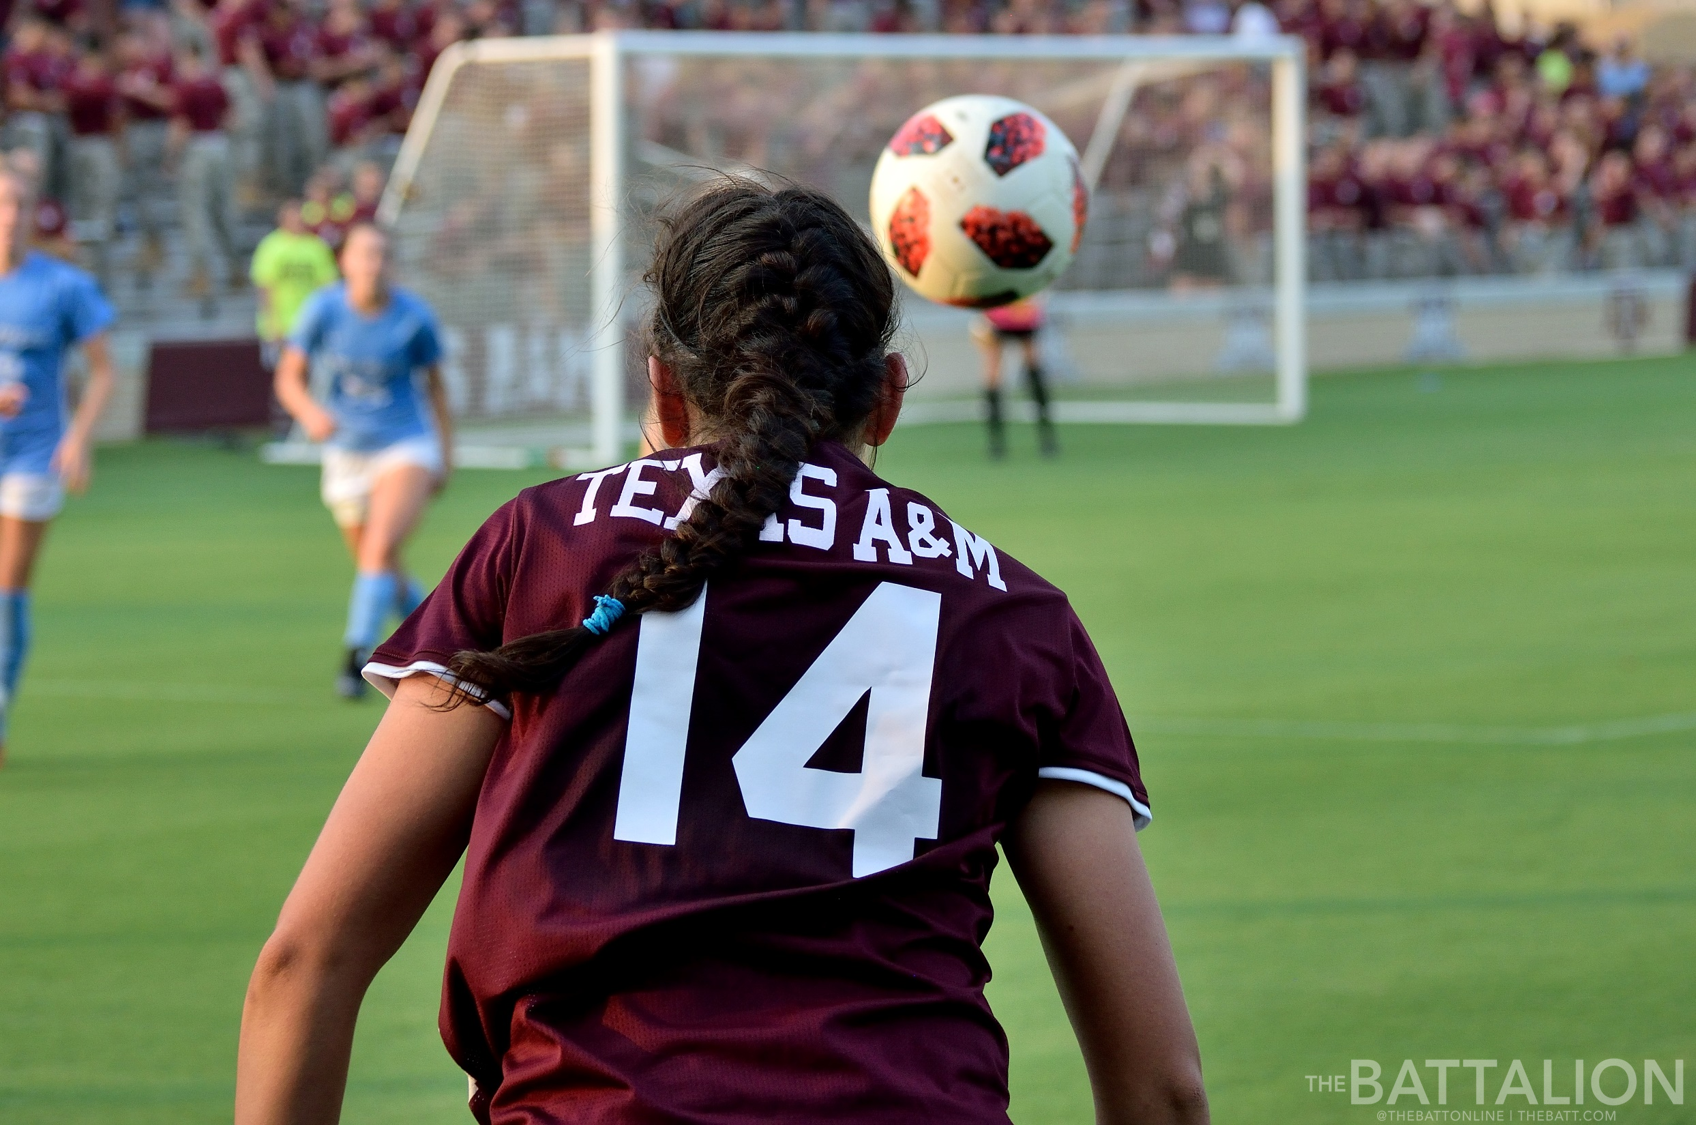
(1019, 323)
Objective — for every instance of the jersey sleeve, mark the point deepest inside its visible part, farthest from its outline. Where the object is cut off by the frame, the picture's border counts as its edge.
(309, 326)
(427, 342)
(87, 312)
(466, 610)
(1091, 743)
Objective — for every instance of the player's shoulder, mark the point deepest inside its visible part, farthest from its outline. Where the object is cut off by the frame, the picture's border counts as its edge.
(59, 272)
(934, 540)
(326, 299)
(411, 302)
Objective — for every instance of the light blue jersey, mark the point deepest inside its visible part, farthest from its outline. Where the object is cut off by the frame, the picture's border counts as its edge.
(369, 364)
(46, 307)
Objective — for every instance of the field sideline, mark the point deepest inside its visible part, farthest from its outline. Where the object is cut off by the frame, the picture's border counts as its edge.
(1412, 683)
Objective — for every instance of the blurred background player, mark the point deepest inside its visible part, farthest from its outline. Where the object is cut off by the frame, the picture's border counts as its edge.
(367, 343)
(96, 170)
(1018, 323)
(205, 174)
(46, 308)
(289, 265)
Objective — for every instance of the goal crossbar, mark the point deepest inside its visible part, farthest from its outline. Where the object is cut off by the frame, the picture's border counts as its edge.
(606, 52)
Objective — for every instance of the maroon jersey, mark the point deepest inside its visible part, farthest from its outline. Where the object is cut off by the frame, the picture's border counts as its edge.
(290, 48)
(140, 83)
(91, 104)
(736, 867)
(202, 103)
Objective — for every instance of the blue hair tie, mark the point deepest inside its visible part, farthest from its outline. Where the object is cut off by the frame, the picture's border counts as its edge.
(607, 610)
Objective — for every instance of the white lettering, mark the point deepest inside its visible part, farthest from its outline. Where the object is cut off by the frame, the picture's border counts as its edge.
(635, 486)
(822, 537)
(921, 536)
(1407, 1082)
(1442, 1067)
(701, 486)
(1630, 1081)
(587, 512)
(772, 530)
(1359, 1079)
(1509, 1086)
(1652, 1069)
(1549, 1097)
(1480, 1066)
(974, 552)
(650, 785)
(880, 526)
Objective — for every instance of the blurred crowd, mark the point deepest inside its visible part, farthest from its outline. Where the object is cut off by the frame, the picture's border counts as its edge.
(1440, 143)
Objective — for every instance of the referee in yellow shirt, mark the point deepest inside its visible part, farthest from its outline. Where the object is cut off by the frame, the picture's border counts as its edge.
(289, 265)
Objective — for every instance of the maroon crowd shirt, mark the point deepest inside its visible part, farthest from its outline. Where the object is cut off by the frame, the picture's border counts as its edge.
(735, 868)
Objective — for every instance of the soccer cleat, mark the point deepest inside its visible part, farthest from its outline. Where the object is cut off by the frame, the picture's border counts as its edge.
(350, 684)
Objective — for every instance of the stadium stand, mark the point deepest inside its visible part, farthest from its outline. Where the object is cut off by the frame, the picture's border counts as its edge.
(1441, 145)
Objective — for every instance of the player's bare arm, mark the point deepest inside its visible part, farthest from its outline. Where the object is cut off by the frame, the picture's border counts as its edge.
(1074, 851)
(391, 840)
(291, 389)
(437, 389)
(73, 459)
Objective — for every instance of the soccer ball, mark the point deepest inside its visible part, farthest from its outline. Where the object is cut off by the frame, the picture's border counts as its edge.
(978, 201)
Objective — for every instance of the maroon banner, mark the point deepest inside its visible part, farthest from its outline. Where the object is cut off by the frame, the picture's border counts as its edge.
(206, 385)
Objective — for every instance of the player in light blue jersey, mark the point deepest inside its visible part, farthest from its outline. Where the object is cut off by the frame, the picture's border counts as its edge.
(373, 350)
(46, 309)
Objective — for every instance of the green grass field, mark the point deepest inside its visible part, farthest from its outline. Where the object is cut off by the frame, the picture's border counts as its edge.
(1414, 685)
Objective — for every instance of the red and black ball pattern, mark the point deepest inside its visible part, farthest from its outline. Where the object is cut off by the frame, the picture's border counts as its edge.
(1013, 140)
(909, 231)
(1010, 239)
(922, 135)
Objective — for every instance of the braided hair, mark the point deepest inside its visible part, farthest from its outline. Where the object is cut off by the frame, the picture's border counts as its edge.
(774, 312)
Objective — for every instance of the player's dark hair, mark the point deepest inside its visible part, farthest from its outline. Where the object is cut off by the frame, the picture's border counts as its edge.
(774, 312)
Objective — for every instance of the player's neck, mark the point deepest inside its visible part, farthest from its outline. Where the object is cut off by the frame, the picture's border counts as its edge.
(369, 301)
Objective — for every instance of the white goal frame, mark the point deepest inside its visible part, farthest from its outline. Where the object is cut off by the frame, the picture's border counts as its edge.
(609, 51)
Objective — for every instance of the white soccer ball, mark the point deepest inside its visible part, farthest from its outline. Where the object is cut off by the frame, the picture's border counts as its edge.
(978, 201)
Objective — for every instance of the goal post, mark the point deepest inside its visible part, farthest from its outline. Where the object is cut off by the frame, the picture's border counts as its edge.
(522, 199)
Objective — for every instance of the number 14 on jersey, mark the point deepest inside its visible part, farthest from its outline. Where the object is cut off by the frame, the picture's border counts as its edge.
(888, 648)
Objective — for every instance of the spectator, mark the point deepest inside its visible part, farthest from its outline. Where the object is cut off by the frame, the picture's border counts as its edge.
(1614, 237)
(200, 147)
(289, 265)
(35, 68)
(92, 108)
(290, 52)
(144, 83)
(1620, 74)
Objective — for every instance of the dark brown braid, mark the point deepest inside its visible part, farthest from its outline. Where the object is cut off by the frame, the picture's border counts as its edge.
(774, 312)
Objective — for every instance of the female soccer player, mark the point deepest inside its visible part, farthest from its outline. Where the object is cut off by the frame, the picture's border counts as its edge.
(46, 308)
(1018, 323)
(728, 841)
(385, 451)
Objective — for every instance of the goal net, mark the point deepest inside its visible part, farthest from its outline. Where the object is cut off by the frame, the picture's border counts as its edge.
(523, 201)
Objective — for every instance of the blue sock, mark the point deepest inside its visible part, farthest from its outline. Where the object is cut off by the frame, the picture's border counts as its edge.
(411, 597)
(14, 647)
(373, 596)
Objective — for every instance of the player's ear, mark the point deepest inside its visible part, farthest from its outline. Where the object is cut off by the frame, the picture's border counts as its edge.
(670, 409)
(888, 408)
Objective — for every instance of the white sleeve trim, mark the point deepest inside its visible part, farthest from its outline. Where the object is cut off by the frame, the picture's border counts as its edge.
(385, 678)
(1140, 815)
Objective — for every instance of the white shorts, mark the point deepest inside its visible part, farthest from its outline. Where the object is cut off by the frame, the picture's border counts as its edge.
(349, 475)
(31, 496)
